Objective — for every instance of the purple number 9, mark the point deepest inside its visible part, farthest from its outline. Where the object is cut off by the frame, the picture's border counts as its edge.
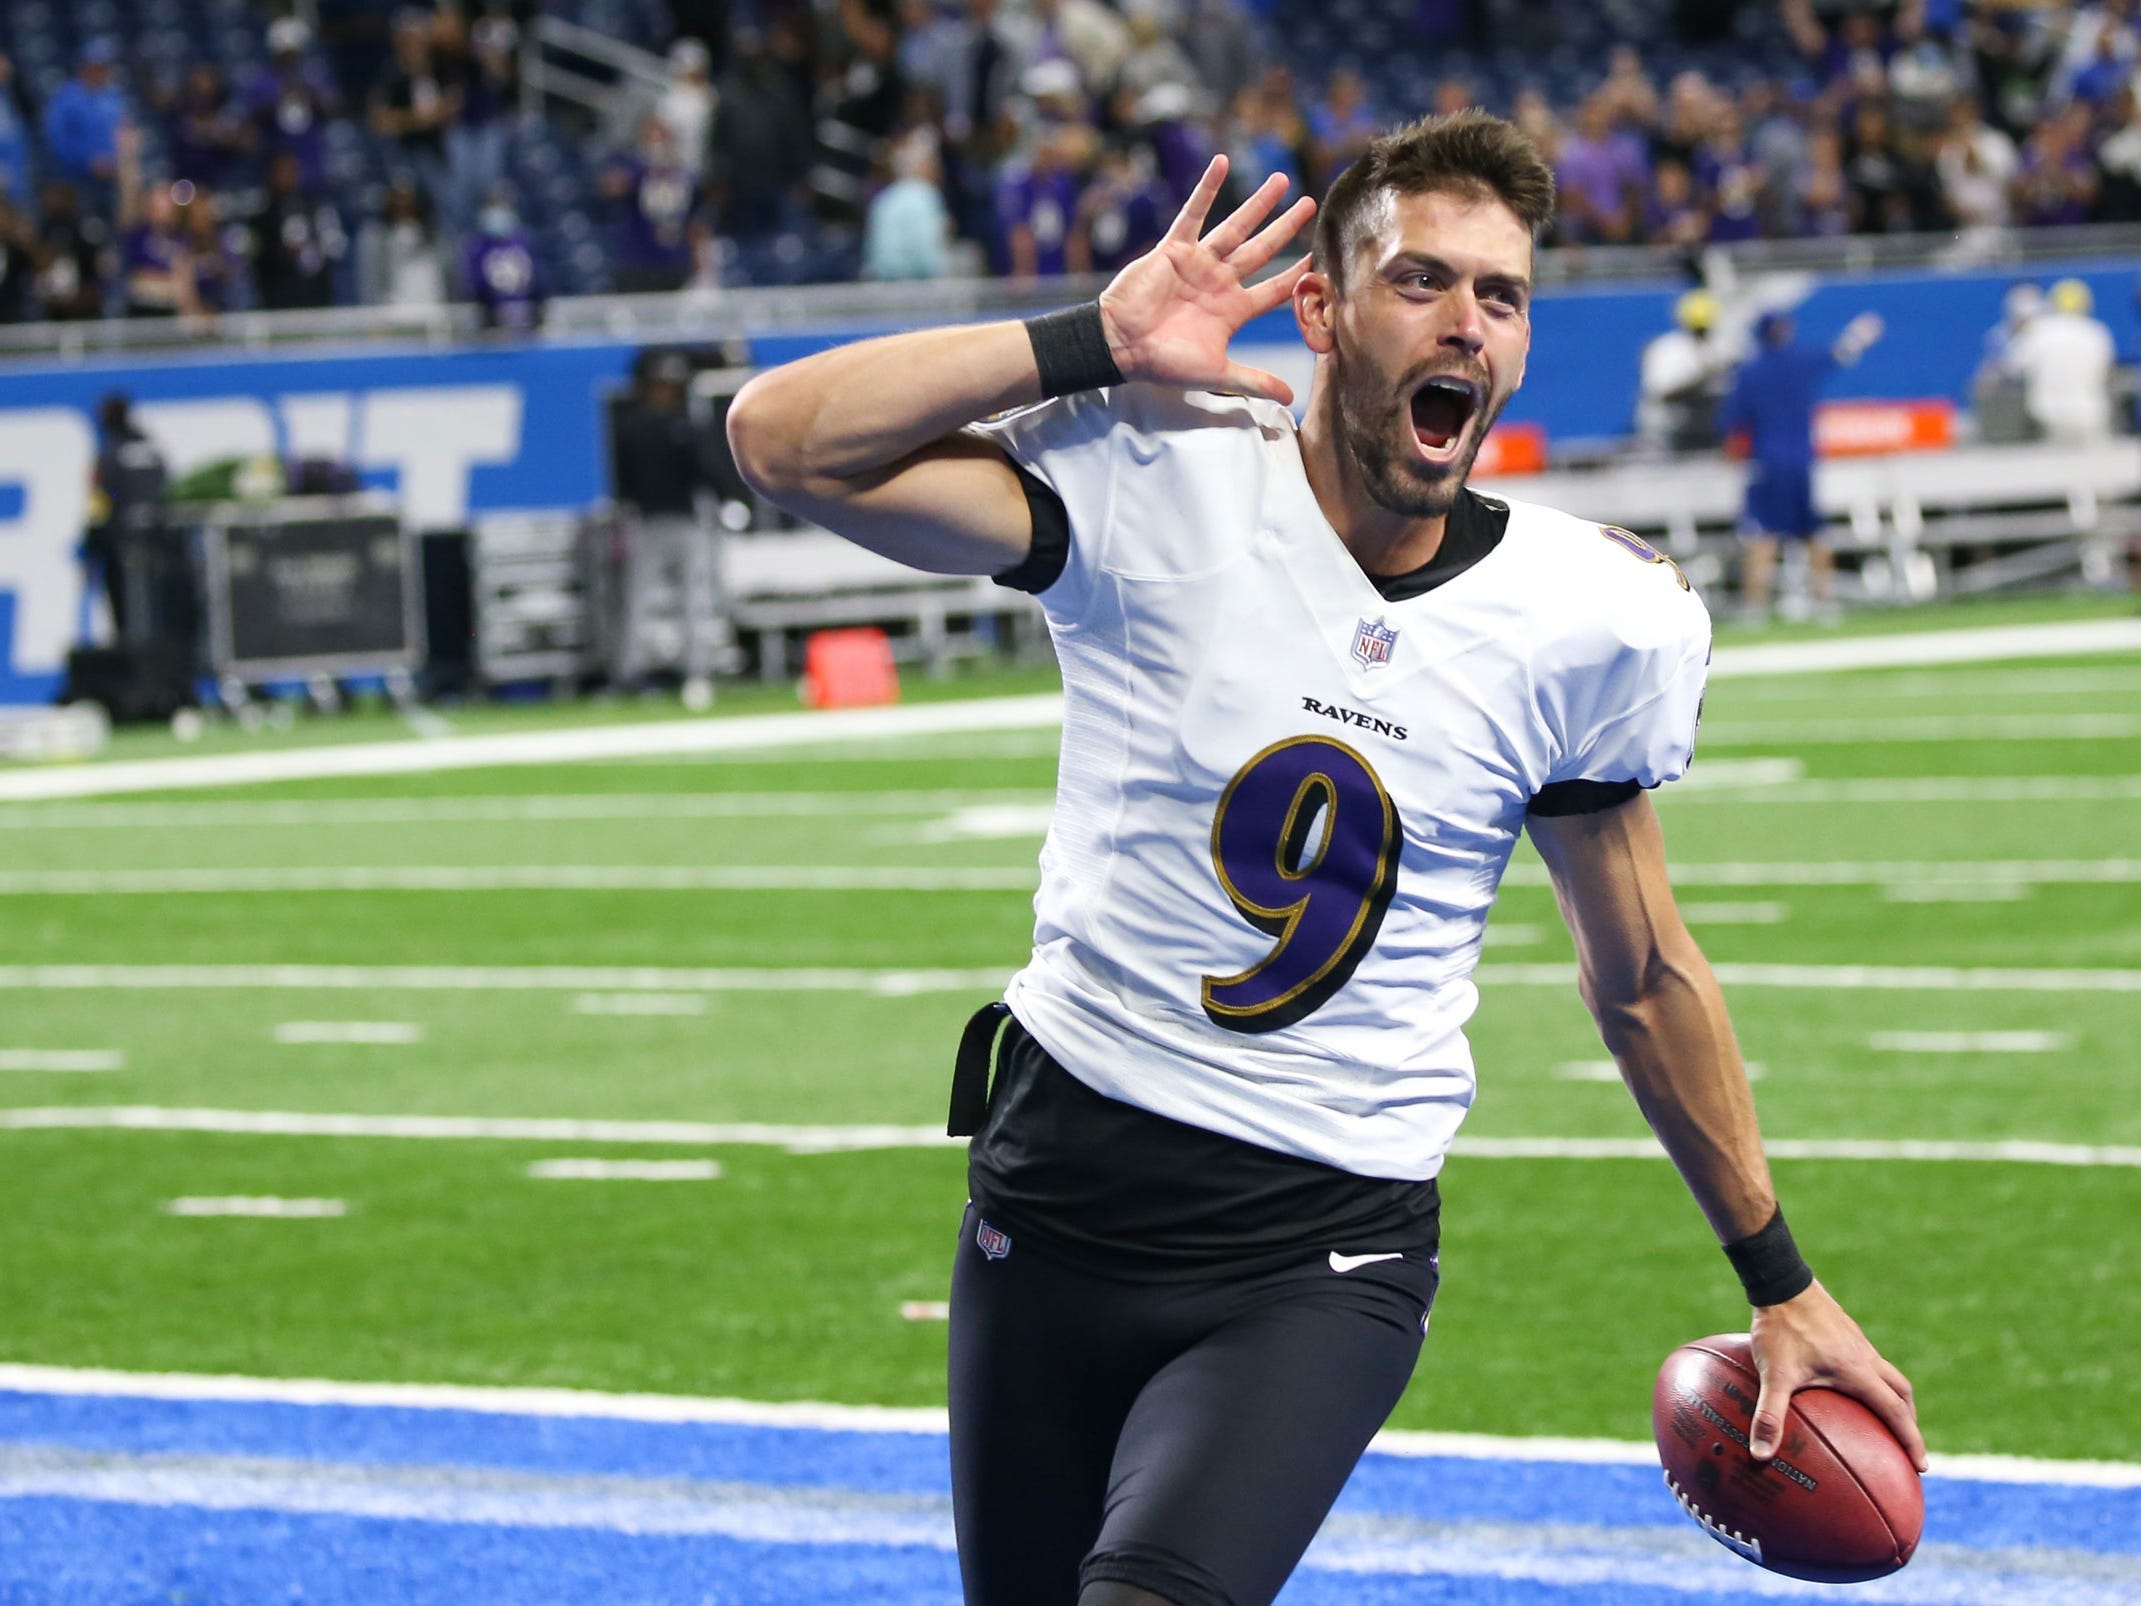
(1306, 845)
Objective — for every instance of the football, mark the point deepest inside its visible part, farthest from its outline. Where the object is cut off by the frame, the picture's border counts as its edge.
(1840, 1502)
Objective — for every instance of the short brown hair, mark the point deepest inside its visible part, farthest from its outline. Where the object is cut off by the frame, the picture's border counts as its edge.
(1469, 153)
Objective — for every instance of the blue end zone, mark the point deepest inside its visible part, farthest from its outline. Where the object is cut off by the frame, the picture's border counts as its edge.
(106, 1501)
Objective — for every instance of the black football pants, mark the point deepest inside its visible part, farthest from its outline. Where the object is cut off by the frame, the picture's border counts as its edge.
(1184, 1437)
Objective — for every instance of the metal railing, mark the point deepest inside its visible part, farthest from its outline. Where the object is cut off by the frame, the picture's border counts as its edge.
(712, 314)
(625, 82)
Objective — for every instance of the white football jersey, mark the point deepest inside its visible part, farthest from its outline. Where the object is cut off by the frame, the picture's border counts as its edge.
(1284, 803)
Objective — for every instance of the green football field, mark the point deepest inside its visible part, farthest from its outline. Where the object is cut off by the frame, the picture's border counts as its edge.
(1922, 886)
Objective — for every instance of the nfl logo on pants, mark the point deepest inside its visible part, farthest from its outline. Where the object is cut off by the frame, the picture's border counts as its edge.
(994, 1243)
(1372, 641)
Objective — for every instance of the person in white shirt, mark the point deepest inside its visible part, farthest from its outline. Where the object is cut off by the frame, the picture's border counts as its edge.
(1684, 374)
(1314, 688)
(2063, 357)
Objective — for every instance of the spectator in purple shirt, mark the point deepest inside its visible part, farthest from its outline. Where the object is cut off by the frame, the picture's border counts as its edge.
(214, 260)
(2058, 184)
(206, 134)
(1602, 176)
(662, 235)
(1673, 215)
(1122, 214)
(1037, 203)
(292, 101)
(500, 271)
(155, 255)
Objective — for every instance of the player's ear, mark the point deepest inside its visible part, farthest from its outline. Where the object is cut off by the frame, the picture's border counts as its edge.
(1316, 311)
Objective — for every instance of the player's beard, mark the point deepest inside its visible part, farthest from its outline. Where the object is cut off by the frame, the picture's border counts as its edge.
(1379, 437)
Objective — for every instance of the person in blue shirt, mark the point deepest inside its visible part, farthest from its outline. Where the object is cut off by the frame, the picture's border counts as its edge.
(14, 145)
(82, 122)
(1768, 418)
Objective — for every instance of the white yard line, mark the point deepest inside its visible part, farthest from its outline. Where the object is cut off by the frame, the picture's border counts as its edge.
(624, 1170)
(2016, 683)
(817, 1416)
(623, 979)
(1735, 914)
(667, 738)
(270, 1209)
(519, 878)
(1985, 645)
(909, 983)
(455, 1128)
(370, 1033)
(65, 1061)
(313, 813)
(1929, 728)
(841, 1139)
(638, 1004)
(759, 733)
(1981, 877)
(1959, 892)
(1912, 789)
(1608, 1071)
(1972, 1042)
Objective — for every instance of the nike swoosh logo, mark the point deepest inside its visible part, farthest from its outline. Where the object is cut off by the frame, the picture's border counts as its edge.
(1345, 1263)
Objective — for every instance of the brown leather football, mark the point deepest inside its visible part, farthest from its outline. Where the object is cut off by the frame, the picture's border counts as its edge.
(1840, 1502)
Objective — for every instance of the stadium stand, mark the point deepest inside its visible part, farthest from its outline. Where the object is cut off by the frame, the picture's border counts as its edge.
(1060, 128)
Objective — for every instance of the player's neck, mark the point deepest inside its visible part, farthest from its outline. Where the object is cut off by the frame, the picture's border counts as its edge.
(1382, 542)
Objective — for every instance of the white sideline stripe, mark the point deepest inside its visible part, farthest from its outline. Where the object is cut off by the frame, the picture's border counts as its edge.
(1658, 1558)
(1983, 878)
(1926, 728)
(376, 1032)
(628, 980)
(624, 1170)
(909, 983)
(520, 878)
(1736, 914)
(1914, 789)
(1959, 892)
(1987, 644)
(2018, 683)
(266, 1208)
(1512, 934)
(1974, 873)
(638, 1004)
(65, 1060)
(825, 1417)
(835, 1139)
(314, 812)
(685, 738)
(1972, 1042)
(666, 738)
(1608, 1071)
(464, 1128)
(925, 1310)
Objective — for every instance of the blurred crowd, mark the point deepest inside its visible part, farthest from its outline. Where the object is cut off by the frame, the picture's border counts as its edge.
(927, 138)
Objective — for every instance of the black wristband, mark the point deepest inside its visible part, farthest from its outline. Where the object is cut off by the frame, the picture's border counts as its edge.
(1770, 1266)
(1071, 350)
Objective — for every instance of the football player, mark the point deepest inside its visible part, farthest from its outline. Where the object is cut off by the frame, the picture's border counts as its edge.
(1314, 687)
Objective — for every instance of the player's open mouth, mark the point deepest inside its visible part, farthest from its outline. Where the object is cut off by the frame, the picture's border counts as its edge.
(1441, 409)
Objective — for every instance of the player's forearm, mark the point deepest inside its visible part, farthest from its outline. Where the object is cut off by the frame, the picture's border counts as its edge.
(853, 411)
(1673, 1042)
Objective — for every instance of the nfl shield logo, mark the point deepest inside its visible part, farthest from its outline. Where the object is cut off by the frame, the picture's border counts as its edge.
(1372, 642)
(994, 1243)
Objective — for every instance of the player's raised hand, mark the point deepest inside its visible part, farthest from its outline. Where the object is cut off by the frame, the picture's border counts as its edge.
(1810, 1342)
(1170, 314)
